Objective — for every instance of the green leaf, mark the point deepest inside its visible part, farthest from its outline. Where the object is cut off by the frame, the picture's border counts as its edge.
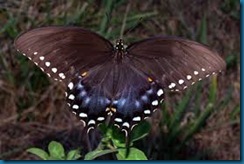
(198, 124)
(140, 131)
(202, 36)
(118, 137)
(113, 133)
(97, 153)
(231, 60)
(103, 128)
(39, 152)
(108, 6)
(213, 90)
(134, 154)
(73, 155)
(235, 113)
(174, 127)
(56, 150)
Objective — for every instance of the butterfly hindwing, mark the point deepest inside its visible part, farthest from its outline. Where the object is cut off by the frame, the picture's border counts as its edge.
(119, 91)
(136, 96)
(89, 94)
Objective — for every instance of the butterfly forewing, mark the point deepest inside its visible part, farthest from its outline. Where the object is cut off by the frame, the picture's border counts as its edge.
(176, 63)
(62, 51)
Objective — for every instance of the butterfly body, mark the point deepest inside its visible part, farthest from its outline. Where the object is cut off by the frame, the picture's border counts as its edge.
(119, 51)
(126, 83)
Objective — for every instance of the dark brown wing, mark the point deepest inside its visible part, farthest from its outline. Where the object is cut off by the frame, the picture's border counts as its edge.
(176, 63)
(62, 51)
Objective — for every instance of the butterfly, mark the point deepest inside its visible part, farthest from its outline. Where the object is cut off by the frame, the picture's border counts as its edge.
(124, 83)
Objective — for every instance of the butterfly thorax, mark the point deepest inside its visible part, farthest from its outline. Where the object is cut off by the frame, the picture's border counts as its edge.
(120, 51)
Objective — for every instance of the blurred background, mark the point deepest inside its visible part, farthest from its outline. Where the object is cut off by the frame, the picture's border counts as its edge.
(200, 123)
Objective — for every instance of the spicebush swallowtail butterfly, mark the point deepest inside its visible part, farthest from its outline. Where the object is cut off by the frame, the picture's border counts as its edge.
(126, 83)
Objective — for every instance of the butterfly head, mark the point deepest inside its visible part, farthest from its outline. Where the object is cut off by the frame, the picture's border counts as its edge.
(120, 45)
